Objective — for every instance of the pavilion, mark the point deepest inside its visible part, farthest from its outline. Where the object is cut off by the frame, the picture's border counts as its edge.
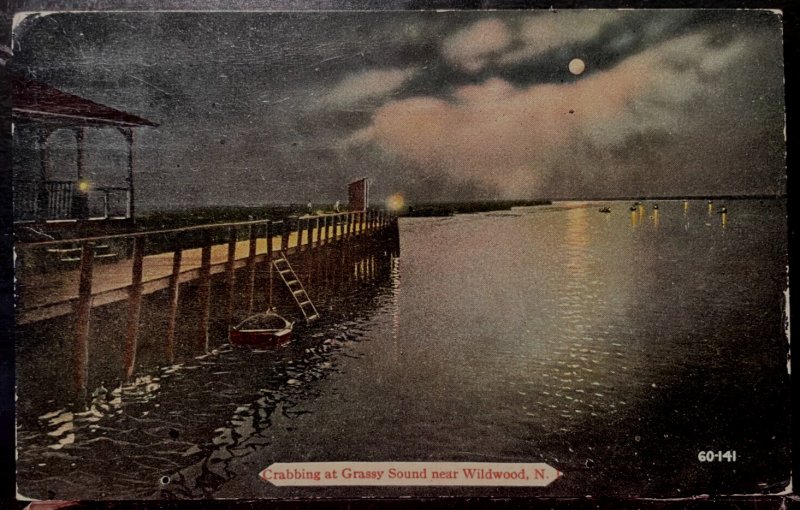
(45, 195)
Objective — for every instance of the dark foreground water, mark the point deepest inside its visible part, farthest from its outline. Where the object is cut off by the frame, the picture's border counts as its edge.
(614, 347)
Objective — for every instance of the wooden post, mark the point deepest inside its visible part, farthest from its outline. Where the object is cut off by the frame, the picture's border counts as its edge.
(285, 231)
(348, 224)
(174, 286)
(299, 234)
(327, 230)
(230, 275)
(335, 221)
(134, 307)
(251, 268)
(204, 292)
(80, 346)
(269, 235)
(309, 234)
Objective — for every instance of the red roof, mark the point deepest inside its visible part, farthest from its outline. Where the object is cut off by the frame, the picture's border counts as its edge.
(38, 101)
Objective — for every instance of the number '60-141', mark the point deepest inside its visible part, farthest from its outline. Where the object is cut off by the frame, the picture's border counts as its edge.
(717, 456)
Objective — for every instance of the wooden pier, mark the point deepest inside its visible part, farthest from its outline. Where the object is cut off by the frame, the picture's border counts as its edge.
(235, 251)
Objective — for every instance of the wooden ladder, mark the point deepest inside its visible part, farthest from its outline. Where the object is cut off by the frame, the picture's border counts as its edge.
(292, 281)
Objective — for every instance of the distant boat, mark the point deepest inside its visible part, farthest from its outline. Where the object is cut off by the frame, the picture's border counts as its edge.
(605, 209)
(266, 329)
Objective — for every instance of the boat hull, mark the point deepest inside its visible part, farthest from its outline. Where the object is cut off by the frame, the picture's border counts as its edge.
(260, 338)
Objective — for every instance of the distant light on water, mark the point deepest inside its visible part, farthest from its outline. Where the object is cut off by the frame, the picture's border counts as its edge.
(395, 202)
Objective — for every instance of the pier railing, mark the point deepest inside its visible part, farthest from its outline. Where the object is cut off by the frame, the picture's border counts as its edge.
(139, 263)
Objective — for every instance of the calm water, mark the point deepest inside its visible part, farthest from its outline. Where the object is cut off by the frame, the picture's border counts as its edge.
(614, 347)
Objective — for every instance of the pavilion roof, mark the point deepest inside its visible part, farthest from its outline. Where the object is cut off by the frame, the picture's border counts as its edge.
(38, 101)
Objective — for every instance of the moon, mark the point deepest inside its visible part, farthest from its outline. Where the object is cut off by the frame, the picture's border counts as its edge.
(576, 66)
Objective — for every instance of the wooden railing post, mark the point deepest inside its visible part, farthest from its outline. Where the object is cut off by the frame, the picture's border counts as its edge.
(134, 307)
(285, 232)
(204, 292)
(174, 286)
(309, 234)
(80, 346)
(269, 235)
(349, 227)
(335, 227)
(327, 229)
(299, 234)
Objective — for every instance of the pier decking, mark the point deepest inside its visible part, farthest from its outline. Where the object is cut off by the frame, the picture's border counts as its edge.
(48, 295)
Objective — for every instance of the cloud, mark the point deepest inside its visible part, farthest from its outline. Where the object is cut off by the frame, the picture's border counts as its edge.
(469, 49)
(511, 137)
(366, 85)
(551, 31)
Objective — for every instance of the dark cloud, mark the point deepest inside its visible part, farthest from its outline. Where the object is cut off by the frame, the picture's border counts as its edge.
(285, 106)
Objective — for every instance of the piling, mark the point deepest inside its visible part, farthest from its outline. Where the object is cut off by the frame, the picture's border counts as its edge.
(268, 261)
(173, 292)
(251, 268)
(204, 293)
(81, 343)
(134, 307)
(230, 274)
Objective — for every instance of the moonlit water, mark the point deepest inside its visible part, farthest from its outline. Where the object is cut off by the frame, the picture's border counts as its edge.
(615, 347)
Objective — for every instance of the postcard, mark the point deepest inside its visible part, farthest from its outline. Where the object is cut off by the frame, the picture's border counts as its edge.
(400, 253)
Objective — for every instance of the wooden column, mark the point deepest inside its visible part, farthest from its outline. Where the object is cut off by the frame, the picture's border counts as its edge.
(134, 307)
(41, 207)
(174, 286)
(80, 345)
(81, 198)
(204, 293)
(319, 231)
(230, 275)
(251, 268)
(128, 134)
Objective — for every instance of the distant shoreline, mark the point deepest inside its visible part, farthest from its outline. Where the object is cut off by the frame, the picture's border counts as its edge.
(451, 208)
(673, 197)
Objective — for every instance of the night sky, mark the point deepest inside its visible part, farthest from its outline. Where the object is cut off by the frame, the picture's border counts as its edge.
(287, 107)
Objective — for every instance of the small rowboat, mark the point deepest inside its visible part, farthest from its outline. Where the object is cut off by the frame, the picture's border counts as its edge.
(262, 330)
